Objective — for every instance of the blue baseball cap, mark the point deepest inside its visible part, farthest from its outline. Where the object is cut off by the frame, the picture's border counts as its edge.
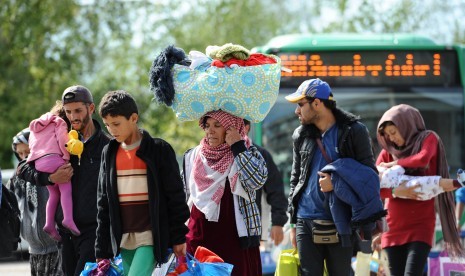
(314, 88)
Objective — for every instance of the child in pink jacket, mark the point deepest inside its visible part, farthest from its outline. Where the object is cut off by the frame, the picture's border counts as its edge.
(47, 141)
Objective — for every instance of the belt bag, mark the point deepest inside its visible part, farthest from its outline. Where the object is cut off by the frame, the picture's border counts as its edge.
(324, 232)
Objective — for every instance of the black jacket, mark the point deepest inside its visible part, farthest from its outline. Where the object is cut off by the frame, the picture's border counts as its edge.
(353, 142)
(168, 208)
(274, 191)
(84, 180)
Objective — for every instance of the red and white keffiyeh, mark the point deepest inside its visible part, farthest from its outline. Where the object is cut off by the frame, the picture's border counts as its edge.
(211, 167)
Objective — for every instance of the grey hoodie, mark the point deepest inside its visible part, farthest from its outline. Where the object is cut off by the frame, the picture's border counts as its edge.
(32, 201)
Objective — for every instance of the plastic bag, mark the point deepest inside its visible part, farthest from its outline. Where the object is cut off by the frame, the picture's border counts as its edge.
(440, 264)
(104, 268)
(362, 268)
(196, 268)
(433, 262)
(166, 267)
(288, 263)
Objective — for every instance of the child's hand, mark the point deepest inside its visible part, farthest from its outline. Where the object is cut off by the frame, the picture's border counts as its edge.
(411, 192)
(179, 250)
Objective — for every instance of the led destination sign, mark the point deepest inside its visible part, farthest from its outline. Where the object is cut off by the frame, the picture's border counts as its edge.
(372, 68)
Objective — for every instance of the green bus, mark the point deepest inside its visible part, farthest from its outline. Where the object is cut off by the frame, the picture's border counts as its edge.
(368, 74)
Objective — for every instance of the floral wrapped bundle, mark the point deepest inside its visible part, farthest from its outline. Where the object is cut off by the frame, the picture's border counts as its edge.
(227, 78)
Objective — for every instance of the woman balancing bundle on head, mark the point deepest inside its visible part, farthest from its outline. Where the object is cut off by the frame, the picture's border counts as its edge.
(222, 173)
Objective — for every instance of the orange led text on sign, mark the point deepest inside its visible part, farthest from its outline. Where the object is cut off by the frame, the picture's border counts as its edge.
(313, 66)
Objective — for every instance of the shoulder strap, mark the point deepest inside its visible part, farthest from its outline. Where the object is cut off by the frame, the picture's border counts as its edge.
(323, 151)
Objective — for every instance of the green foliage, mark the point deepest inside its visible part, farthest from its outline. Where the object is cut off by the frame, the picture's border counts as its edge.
(204, 22)
(46, 46)
(29, 70)
(160, 120)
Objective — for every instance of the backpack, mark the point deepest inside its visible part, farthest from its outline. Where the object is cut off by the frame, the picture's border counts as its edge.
(10, 222)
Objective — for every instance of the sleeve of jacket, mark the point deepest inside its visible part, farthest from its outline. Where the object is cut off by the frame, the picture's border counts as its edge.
(251, 164)
(184, 174)
(274, 191)
(362, 146)
(174, 192)
(295, 174)
(103, 247)
(28, 172)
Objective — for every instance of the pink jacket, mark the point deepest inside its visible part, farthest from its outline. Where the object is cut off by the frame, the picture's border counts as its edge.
(49, 134)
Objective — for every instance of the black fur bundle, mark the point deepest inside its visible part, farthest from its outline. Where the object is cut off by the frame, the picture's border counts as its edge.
(161, 79)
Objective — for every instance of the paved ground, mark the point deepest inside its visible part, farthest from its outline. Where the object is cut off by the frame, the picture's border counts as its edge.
(15, 268)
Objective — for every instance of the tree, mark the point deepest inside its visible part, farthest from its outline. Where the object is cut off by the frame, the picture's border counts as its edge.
(440, 20)
(46, 46)
(248, 23)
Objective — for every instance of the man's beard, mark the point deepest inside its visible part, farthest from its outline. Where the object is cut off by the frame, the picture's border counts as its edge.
(84, 123)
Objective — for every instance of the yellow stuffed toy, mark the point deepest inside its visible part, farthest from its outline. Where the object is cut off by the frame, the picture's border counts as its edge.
(74, 145)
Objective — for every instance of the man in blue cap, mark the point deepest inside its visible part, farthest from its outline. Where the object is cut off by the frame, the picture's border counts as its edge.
(326, 133)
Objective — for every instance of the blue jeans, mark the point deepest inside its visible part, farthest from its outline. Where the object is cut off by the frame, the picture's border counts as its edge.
(313, 256)
(408, 259)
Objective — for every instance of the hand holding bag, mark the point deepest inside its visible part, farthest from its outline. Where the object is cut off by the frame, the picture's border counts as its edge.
(288, 263)
(164, 268)
(105, 267)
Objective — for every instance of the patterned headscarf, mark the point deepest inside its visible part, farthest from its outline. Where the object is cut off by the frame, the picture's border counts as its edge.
(220, 157)
(214, 165)
(411, 126)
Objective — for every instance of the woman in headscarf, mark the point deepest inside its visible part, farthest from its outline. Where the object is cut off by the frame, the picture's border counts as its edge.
(221, 176)
(405, 141)
(32, 200)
